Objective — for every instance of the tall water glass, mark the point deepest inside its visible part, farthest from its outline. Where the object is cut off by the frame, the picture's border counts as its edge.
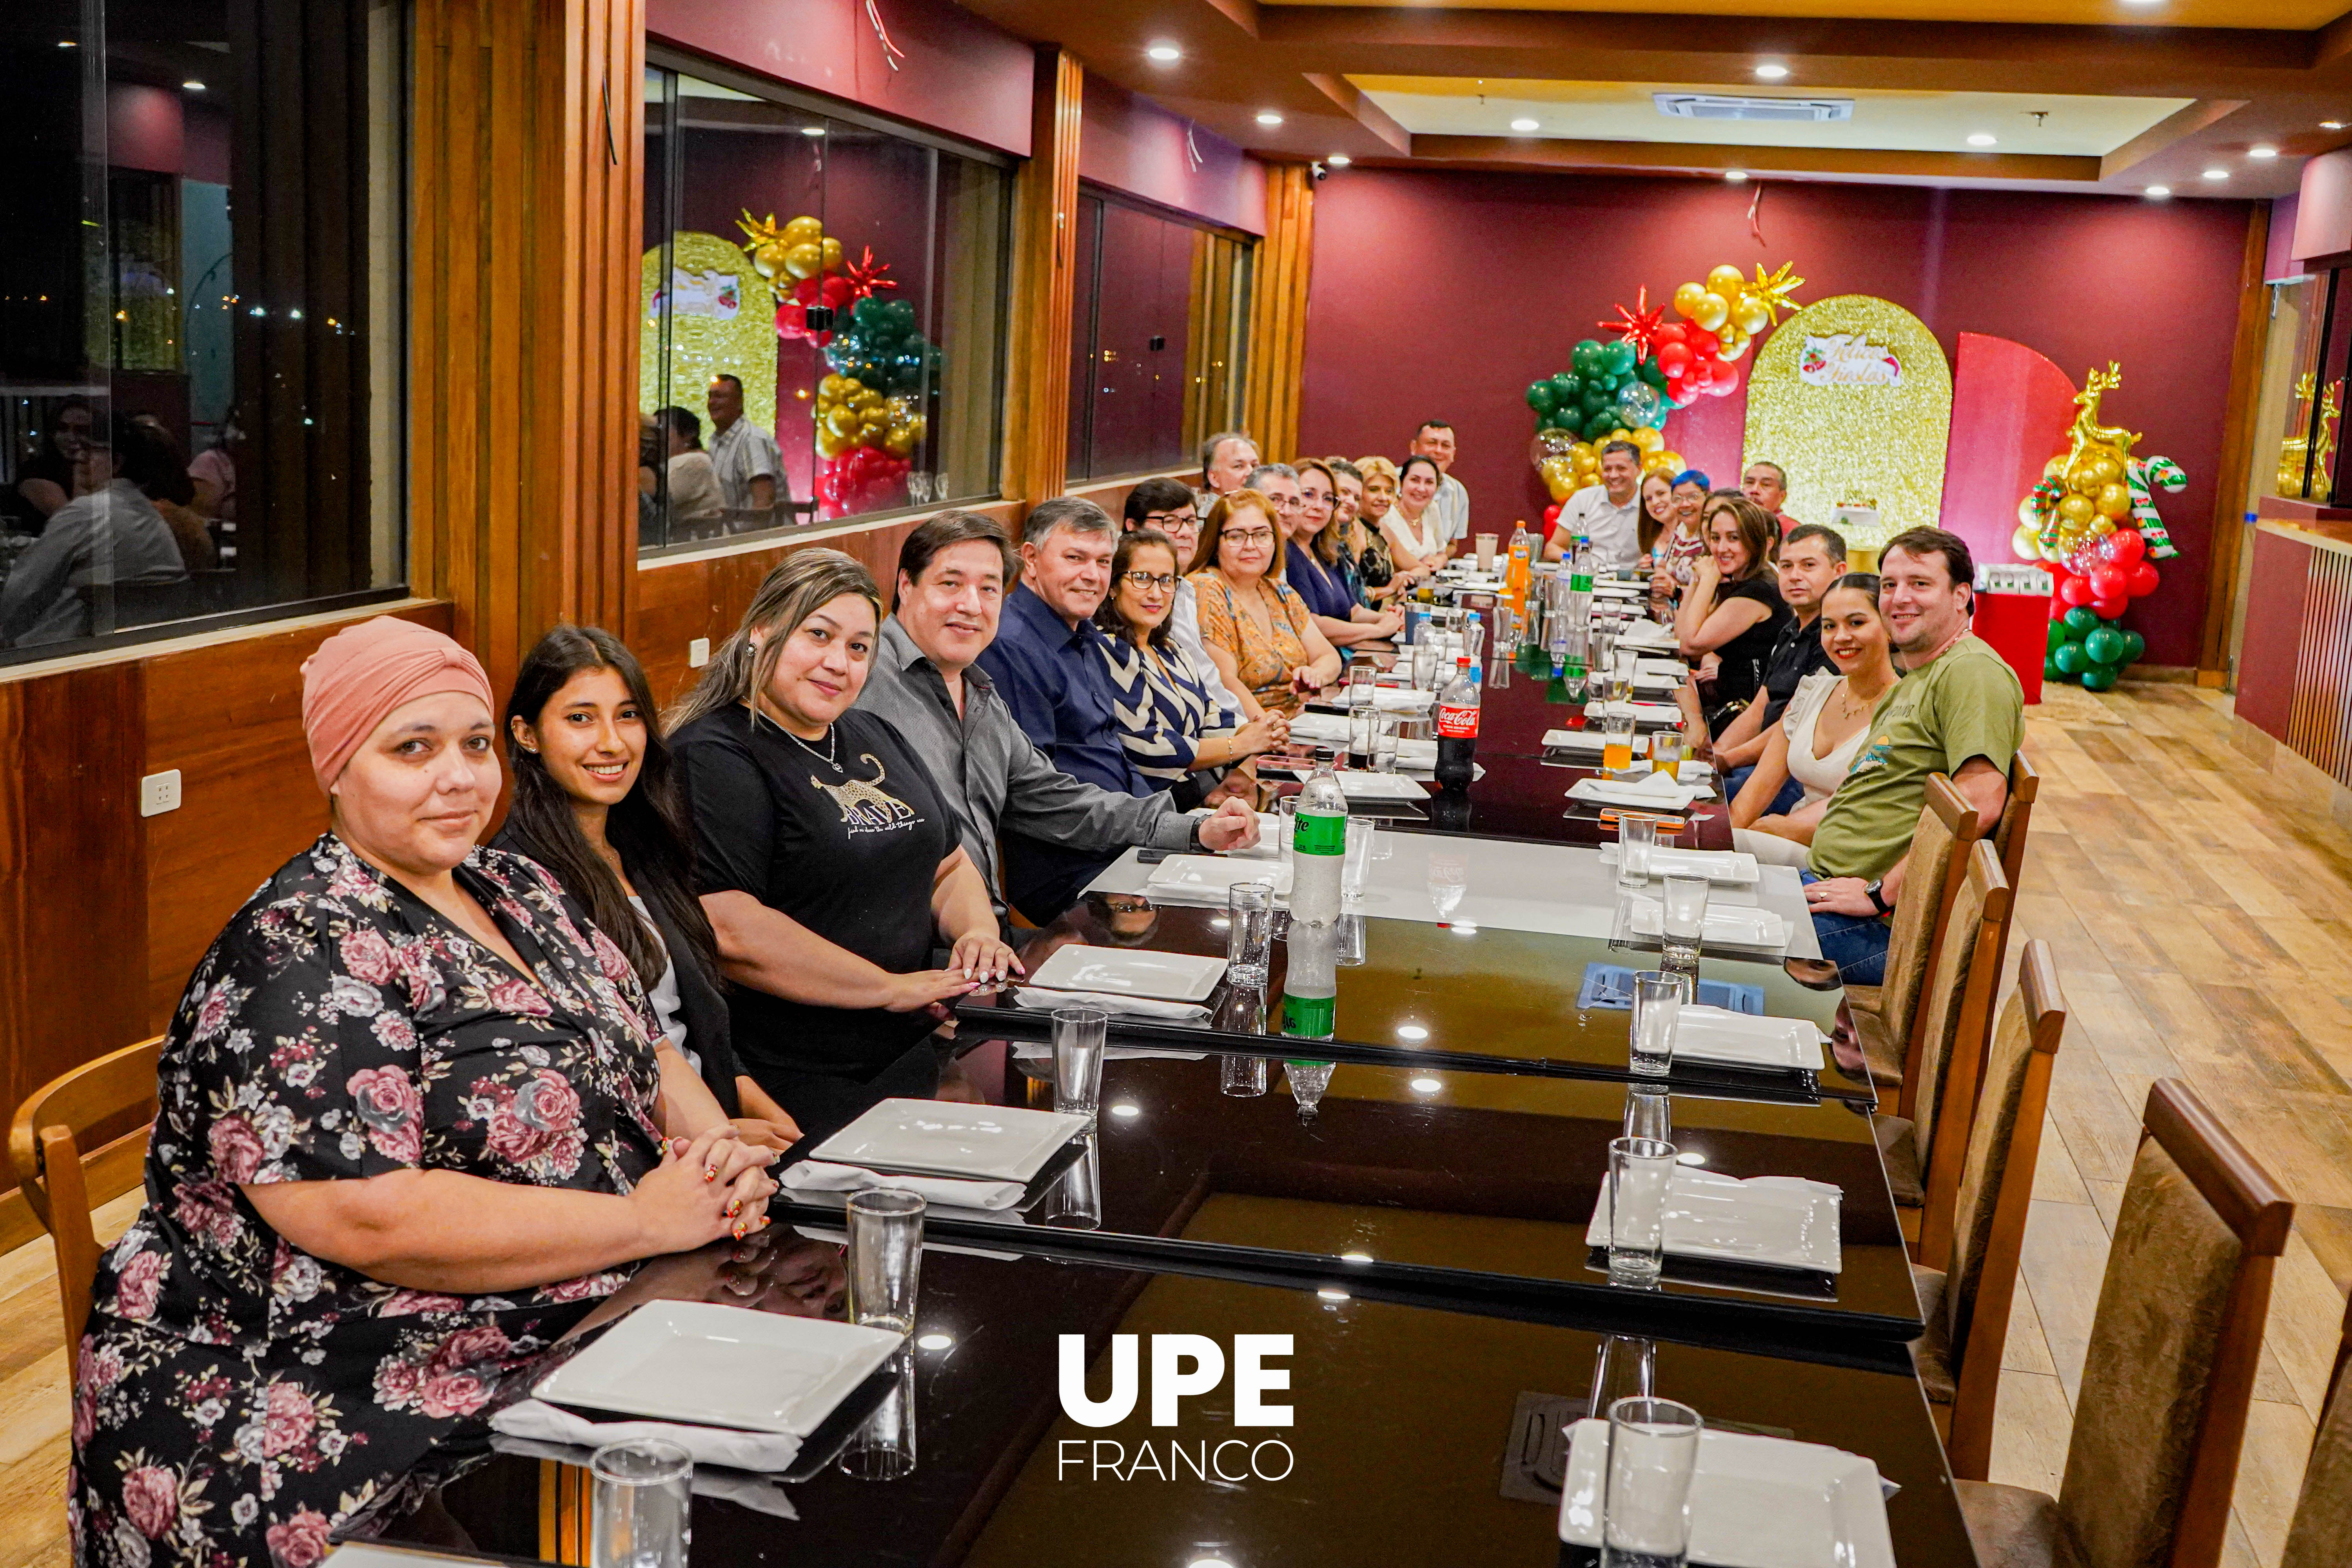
(1636, 836)
(1602, 650)
(1363, 726)
(885, 1258)
(1286, 823)
(1243, 1078)
(1078, 1035)
(645, 1499)
(1624, 1367)
(1362, 677)
(1364, 833)
(1639, 1169)
(1646, 1497)
(1649, 1113)
(1249, 931)
(1424, 660)
(1658, 999)
(883, 1448)
(1384, 742)
(1685, 919)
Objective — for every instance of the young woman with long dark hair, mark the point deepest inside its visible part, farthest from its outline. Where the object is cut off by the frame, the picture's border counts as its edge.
(595, 802)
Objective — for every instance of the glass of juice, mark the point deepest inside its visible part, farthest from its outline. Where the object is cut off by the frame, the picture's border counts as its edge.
(1616, 744)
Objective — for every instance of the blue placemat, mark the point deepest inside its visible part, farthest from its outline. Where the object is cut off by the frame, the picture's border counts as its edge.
(1612, 985)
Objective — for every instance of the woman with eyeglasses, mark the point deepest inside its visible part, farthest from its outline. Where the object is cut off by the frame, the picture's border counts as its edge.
(1256, 628)
(1313, 566)
(1169, 719)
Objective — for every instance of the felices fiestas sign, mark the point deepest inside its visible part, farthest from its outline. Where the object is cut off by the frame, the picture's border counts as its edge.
(1848, 359)
(1183, 1366)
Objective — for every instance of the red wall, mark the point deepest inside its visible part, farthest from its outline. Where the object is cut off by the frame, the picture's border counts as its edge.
(1132, 145)
(1442, 295)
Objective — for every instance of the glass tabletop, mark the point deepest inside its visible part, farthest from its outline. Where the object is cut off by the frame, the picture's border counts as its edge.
(1406, 1433)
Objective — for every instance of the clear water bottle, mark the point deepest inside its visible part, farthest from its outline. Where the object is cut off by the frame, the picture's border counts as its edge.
(1318, 846)
(1457, 729)
(1311, 992)
(1580, 581)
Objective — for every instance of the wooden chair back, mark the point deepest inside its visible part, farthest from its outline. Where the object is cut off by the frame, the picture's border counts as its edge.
(1948, 1056)
(2016, 816)
(2175, 1343)
(58, 1177)
(1989, 1214)
(1939, 846)
(2320, 1534)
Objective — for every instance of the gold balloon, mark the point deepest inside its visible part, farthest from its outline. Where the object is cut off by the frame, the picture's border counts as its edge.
(833, 257)
(1712, 310)
(804, 260)
(768, 259)
(841, 420)
(1670, 462)
(2105, 471)
(2102, 526)
(2075, 509)
(1559, 476)
(2054, 467)
(2114, 501)
(1686, 300)
(830, 445)
(1651, 442)
(1726, 282)
(1733, 344)
(1749, 315)
(803, 231)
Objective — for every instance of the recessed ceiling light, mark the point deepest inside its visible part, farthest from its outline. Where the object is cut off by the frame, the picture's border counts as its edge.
(1338, 160)
(1412, 1032)
(1737, 176)
(1771, 72)
(935, 1342)
(2261, 152)
(193, 85)
(1983, 138)
(2159, 191)
(1425, 1086)
(1166, 54)
(1269, 117)
(1126, 1110)
(2217, 174)
(1524, 125)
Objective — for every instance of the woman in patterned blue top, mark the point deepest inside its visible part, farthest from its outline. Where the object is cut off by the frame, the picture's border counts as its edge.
(1168, 720)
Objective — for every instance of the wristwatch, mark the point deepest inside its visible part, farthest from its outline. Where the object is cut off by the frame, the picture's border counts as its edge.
(1196, 836)
(1877, 900)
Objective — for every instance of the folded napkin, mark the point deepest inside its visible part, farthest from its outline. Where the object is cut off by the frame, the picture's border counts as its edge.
(1422, 752)
(1652, 790)
(1401, 698)
(1587, 741)
(539, 1421)
(1129, 1007)
(1672, 669)
(1327, 727)
(825, 1176)
(1641, 712)
(1649, 634)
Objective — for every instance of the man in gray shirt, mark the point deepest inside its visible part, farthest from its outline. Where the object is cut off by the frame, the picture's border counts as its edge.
(952, 576)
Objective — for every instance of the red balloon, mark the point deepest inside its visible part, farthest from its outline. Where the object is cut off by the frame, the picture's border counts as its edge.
(2058, 607)
(1672, 333)
(1552, 512)
(2142, 578)
(2110, 609)
(1725, 382)
(2125, 546)
(2076, 591)
(1673, 359)
(2109, 582)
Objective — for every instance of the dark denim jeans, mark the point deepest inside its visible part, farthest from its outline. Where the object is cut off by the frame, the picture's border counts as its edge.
(1856, 943)
(1792, 792)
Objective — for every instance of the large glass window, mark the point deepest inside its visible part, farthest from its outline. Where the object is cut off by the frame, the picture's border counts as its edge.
(1159, 307)
(821, 307)
(200, 363)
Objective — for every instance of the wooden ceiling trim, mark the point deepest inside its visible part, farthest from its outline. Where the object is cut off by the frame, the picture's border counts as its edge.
(1563, 154)
(1359, 106)
(2174, 127)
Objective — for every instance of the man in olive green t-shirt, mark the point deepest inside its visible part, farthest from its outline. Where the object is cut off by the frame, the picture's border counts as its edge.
(1959, 711)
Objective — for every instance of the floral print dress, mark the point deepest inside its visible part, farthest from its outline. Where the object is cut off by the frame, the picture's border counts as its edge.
(239, 1398)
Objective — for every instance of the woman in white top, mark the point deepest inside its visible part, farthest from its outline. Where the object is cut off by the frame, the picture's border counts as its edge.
(1825, 723)
(1416, 536)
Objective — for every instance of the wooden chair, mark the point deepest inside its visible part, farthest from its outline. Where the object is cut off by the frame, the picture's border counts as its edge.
(1924, 1152)
(2016, 816)
(1965, 1301)
(2320, 1534)
(2170, 1369)
(1884, 1014)
(57, 1178)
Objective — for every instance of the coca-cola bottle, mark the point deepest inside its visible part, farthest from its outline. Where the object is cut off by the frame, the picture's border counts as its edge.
(1457, 729)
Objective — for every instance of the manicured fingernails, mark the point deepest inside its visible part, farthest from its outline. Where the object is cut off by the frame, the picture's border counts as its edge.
(710, 1172)
(739, 1232)
(734, 1208)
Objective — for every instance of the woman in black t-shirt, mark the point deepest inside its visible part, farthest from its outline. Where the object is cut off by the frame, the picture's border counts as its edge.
(1733, 607)
(824, 856)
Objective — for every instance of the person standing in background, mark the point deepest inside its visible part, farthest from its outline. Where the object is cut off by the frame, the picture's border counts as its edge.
(1766, 484)
(1435, 440)
(1226, 460)
(750, 469)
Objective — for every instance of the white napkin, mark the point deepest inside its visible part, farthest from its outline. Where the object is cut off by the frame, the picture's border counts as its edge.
(1672, 669)
(1422, 752)
(542, 1422)
(825, 1176)
(1654, 713)
(1331, 728)
(1649, 634)
(1131, 1006)
(1401, 699)
(1587, 740)
(1654, 789)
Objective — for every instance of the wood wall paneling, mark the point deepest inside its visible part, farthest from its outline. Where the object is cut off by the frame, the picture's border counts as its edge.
(1277, 339)
(1045, 196)
(2238, 443)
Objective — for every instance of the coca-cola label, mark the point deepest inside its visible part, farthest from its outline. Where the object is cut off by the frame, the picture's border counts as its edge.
(1459, 723)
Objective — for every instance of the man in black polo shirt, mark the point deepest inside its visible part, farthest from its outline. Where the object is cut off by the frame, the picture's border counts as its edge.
(1811, 558)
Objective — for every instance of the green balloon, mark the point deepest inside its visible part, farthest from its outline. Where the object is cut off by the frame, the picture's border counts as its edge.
(1587, 357)
(1596, 396)
(1539, 397)
(2098, 678)
(1618, 357)
(1648, 371)
(2104, 645)
(2134, 644)
(2083, 618)
(2058, 638)
(2050, 670)
(1566, 388)
(2071, 660)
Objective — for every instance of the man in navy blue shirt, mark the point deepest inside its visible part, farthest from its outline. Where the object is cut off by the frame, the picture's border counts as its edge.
(1047, 664)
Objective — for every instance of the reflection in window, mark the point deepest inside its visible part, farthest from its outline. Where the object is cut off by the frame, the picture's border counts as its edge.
(1159, 307)
(199, 319)
(822, 316)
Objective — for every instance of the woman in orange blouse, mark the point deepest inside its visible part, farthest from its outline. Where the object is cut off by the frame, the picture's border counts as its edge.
(1255, 630)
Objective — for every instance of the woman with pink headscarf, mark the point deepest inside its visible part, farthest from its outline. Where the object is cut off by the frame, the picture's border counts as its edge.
(410, 1129)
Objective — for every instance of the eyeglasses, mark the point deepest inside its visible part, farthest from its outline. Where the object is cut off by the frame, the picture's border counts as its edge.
(1149, 579)
(1249, 535)
(1185, 519)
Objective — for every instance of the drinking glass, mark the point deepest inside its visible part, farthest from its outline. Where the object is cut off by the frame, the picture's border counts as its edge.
(645, 1501)
(1384, 742)
(1684, 919)
(1076, 1202)
(1639, 1169)
(1362, 832)
(1350, 935)
(1363, 728)
(919, 487)
(1645, 1498)
(1079, 1033)
(1624, 1367)
(1307, 1082)
(1486, 542)
(1649, 1113)
(1616, 743)
(1249, 932)
(883, 1448)
(1243, 1078)
(1636, 836)
(1424, 659)
(1286, 823)
(1667, 752)
(1602, 649)
(1658, 999)
(1361, 679)
(885, 1258)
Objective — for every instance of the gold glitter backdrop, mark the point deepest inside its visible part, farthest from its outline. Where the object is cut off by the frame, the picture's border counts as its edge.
(722, 318)
(1853, 397)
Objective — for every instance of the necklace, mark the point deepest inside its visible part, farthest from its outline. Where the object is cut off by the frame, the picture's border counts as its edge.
(832, 751)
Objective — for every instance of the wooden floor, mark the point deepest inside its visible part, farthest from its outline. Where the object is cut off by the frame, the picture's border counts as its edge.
(2199, 904)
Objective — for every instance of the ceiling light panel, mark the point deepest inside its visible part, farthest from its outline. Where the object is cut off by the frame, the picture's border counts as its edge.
(1725, 106)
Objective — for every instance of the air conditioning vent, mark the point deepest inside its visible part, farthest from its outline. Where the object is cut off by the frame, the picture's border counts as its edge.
(1725, 106)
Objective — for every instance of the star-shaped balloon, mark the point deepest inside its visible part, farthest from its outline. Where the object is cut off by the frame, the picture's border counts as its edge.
(1638, 326)
(1772, 293)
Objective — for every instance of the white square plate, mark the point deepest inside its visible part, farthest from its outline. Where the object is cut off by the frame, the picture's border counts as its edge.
(1755, 1502)
(1357, 785)
(1663, 795)
(1587, 741)
(1170, 976)
(1727, 925)
(1725, 867)
(945, 1137)
(721, 1366)
(1669, 669)
(1781, 1222)
(1741, 1039)
(1196, 879)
